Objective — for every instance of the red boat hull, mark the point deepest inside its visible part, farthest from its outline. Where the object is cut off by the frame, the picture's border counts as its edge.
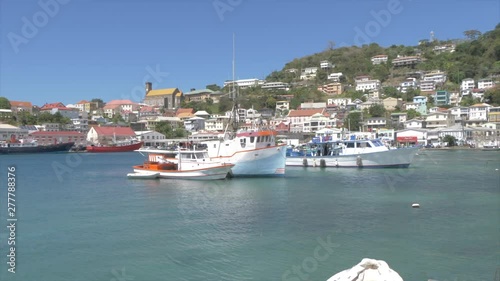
(122, 148)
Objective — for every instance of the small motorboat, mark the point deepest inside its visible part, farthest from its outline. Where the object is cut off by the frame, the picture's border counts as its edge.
(143, 175)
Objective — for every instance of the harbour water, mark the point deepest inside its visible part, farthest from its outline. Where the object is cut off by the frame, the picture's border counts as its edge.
(80, 218)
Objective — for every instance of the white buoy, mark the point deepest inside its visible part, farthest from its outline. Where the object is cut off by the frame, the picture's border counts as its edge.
(415, 205)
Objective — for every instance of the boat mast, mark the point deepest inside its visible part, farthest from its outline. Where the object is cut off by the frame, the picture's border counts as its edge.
(234, 90)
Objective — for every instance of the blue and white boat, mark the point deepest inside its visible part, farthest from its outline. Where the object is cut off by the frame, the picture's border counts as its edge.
(350, 153)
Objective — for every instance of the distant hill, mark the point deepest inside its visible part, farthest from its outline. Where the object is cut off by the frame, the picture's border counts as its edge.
(475, 57)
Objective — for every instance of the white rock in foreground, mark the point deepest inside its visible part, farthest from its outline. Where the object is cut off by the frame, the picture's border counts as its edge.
(368, 270)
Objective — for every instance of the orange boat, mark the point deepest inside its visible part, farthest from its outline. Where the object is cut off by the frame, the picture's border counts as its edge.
(124, 147)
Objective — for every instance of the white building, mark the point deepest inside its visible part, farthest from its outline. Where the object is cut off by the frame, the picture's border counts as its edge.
(318, 122)
(150, 138)
(325, 64)
(413, 124)
(335, 76)
(379, 59)
(436, 76)
(276, 86)
(479, 111)
(364, 85)
(427, 86)
(408, 83)
(245, 83)
(467, 84)
(216, 123)
(308, 73)
(485, 83)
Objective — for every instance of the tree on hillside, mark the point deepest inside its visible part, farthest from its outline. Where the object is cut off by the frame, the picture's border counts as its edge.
(213, 87)
(225, 104)
(492, 96)
(377, 110)
(4, 103)
(472, 34)
(100, 101)
(412, 113)
(353, 121)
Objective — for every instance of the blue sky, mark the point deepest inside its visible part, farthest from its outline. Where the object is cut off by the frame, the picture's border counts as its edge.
(69, 50)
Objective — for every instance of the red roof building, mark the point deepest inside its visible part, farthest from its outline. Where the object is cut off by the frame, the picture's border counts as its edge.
(101, 134)
(50, 106)
(17, 106)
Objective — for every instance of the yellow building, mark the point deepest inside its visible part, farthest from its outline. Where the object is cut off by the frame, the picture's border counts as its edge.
(169, 98)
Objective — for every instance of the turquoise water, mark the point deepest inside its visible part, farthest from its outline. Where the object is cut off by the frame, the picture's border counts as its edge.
(80, 218)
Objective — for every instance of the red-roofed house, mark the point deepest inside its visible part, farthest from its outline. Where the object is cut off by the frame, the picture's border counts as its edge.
(120, 106)
(17, 106)
(184, 113)
(46, 137)
(297, 118)
(53, 108)
(50, 106)
(106, 134)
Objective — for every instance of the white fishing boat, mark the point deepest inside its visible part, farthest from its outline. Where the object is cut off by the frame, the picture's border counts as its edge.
(182, 164)
(254, 152)
(359, 153)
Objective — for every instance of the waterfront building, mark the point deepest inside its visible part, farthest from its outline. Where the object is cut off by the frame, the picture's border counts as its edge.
(9, 132)
(413, 135)
(54, 137)
(373, 123)
(150, 138)
(99, 134)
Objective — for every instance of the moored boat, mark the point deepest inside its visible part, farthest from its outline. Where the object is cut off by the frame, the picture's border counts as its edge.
(33, 147)
(118, 147)
(355, 153)
(183, 164)
(254, 152)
